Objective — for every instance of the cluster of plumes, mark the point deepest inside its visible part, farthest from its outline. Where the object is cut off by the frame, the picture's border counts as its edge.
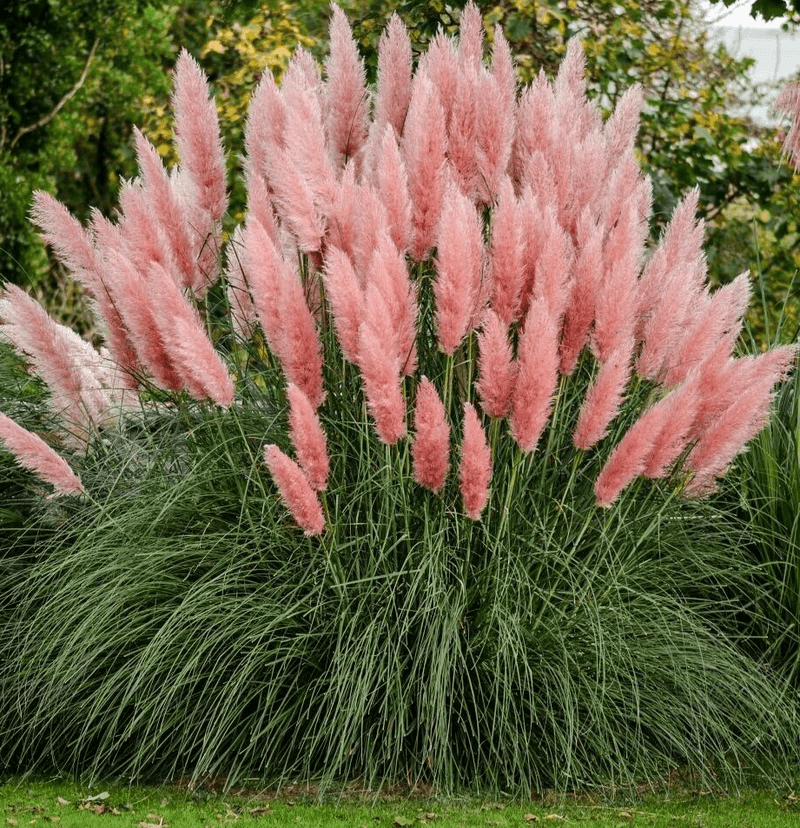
(365, 186)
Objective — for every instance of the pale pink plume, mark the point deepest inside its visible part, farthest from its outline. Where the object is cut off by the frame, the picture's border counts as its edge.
(424, 148)
(476, 464)
(265, 130)
(537, 376)
(243, 311)
(293, 197)
(788, 101)
(259, 205)
(604, 397)
(470, 37)
(587, 275)
(439, 64)
(630, 455)
(459, 264)
(346, 95)
(393, 89)
(718, 318)
(167, 209)
(295, 491)
(68, 366)
(462, 131)
(534, 114)
(262, 267)
(346, 300)
(683, 404)
(506, 255)
(621, 128)
(573, 109)
(308, 438)
(392, 181)
(31, 452)
(133, 301)
(372, 222)
(299, 347)
(380, 371)
(303, 71)
(553, 266)
(143, 240)
(617, 301)
(344, 212)
(497, 371)
(306, 145)
(588, 180)
(750, 397)
(70, 241)
(388, 272)
(197, 136)
(191, 353)
(431, 448)
(533, 236)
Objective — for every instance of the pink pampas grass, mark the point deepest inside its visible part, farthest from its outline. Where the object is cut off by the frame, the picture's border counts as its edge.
(476, 465)
(431, 448)
(459, 269)
(346, 300)
(308, 438)
(788, 101)
(506, 255)
(34, 454)
(393, 91)
(380, 371)
(496, 366)
(537, 376)
(392, 180)
(295, 491)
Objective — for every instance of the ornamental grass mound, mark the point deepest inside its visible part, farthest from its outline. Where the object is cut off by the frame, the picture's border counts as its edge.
(406, 477)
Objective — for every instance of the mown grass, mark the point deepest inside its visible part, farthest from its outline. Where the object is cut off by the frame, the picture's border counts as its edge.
(66, 803)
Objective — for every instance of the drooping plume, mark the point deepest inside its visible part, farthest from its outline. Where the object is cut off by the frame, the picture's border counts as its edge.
(295, 491)
(308, 438)
(31, 452)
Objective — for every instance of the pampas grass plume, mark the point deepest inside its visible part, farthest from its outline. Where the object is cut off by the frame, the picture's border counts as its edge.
(431, 448)
(295, 491)
(476, 464)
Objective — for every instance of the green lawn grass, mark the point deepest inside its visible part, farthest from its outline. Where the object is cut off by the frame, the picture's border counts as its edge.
(25, 802)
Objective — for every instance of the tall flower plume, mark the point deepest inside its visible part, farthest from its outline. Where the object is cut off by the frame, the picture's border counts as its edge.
(476, 464)
(431, 448)
(295, 490)
(308, 438)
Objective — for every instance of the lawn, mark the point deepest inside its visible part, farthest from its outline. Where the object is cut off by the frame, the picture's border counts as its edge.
(26, 802)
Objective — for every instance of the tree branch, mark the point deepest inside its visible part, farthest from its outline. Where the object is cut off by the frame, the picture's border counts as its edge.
(57, 108)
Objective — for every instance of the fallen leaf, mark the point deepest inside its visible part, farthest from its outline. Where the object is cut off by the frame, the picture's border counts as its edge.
(626, 814)
(401, 821)
(10, 821)
(259, 811)
(61, 801)
(554, 816)
(531, 818)
(103, 795)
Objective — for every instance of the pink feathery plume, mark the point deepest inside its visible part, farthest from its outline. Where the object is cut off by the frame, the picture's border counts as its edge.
(302, 71)
(295, 491)
(131, 297)
(476, 465)
(534, 112)
(683, 403)
(388, 272)
(788, 101)
(431, 448)
(553, 266)
(604, 397)
(143, 240)
(738, 424)
(299, 347)
(31, 452)
(459, 268)
(372, 222)
(346, 300)
(629, 457)
(191, 353)
(496, 92)
(306, 145)
(70, 241)
(166, 208)
(259, 205)
(470, 37)
(587, 275)
(308, 438)
(497, 371)
(197, 136)
(67, 365)
(392, 181)
(424, 148)
(621, 128)
(462, 131)
(262, 265)
(572, 107)
(537, 376)
(265, 129)
(506, 255)
(617, 301)
(380, 371)
(393, 89)
(345, 91)
(717, 318)
(588, 180)
(533, 236)
(440, 65)
(343, 216)
(293, 198)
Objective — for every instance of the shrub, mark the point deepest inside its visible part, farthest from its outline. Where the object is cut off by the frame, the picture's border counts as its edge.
(346, 599)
